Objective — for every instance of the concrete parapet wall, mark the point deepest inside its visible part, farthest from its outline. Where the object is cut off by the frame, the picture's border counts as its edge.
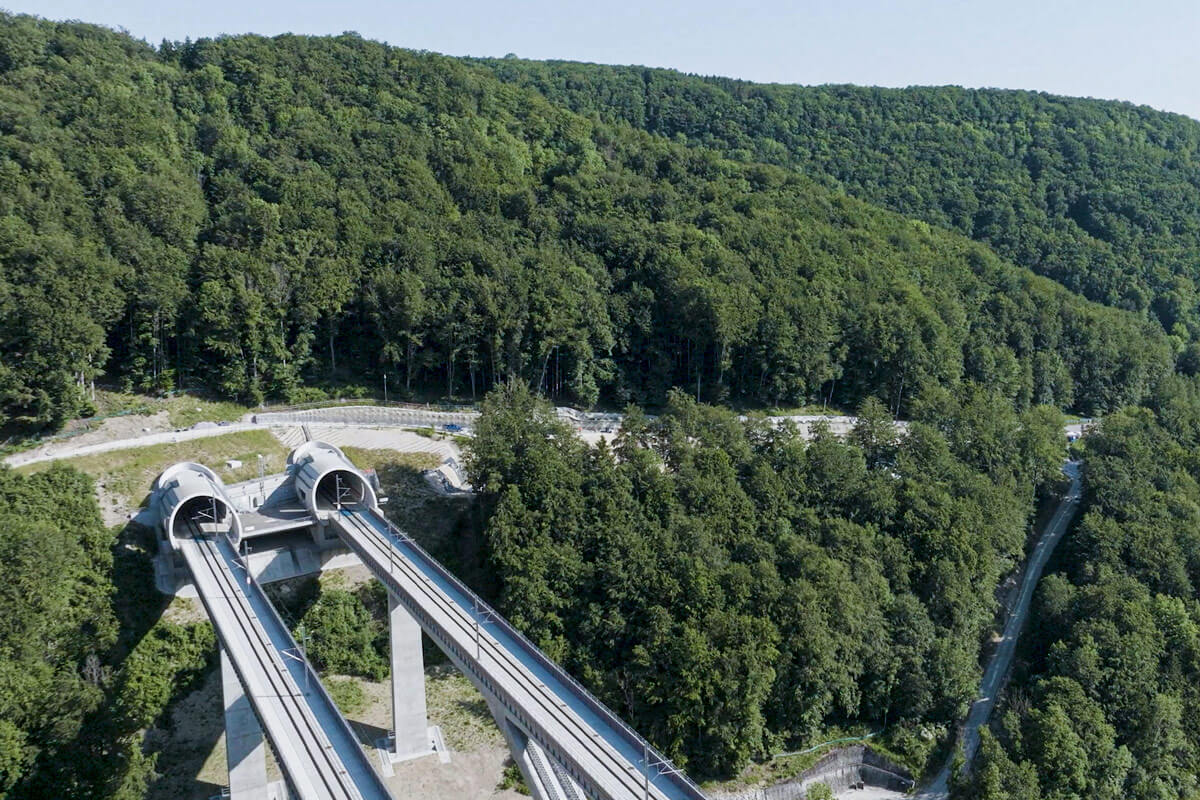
(400, 416)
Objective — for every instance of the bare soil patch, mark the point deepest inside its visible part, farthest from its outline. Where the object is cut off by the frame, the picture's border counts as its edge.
(108, 430)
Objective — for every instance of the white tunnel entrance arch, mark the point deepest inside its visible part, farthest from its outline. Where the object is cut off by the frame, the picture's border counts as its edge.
(194, 502)
(326, 480)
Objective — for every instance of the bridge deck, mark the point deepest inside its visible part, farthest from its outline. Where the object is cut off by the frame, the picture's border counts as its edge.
(571, 725)
(317, 750)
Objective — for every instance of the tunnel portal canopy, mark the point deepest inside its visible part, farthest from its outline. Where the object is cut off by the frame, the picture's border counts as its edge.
(192, 501)
(326, 480)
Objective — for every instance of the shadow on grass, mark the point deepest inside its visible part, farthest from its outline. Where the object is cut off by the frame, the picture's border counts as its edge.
(367, 735)
(138, 604)
(476, 707)
(192, 725)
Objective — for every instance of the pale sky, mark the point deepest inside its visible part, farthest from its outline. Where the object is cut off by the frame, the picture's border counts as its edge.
(1145, 52)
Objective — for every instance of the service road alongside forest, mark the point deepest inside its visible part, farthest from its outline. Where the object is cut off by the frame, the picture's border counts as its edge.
(996, 674)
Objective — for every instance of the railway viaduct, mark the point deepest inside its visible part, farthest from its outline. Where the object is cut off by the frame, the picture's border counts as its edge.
(568, 745)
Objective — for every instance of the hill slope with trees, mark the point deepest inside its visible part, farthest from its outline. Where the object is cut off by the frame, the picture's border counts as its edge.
(254, 216)
(735, 591)
(257, 217)
(1098, 195)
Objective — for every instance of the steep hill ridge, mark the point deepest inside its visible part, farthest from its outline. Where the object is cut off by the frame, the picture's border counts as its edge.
(1098, 195)
(254, 215)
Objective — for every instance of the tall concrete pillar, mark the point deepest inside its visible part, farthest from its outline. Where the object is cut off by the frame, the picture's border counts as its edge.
(410, 720)
(245, 749)
(516, 741)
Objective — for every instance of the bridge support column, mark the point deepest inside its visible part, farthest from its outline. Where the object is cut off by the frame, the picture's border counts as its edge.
(245, 749)
(410, 720)
(527, 756)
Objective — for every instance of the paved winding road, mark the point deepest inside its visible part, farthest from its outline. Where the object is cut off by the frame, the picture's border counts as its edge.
(996, 674)
(589, 424)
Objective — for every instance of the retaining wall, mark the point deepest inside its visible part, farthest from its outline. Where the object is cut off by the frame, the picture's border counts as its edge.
(840, 769)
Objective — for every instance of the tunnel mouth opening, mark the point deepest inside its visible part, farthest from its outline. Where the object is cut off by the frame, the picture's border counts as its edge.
(339, 488)
(205, 516)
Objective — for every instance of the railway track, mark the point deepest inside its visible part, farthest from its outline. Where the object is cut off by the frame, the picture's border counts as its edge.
(330, 778)
(359, 527)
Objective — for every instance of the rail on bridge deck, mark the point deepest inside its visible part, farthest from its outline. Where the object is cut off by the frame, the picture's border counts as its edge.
(602, 755)
(319, 753)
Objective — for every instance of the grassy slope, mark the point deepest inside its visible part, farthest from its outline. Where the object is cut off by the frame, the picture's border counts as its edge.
(126, 475)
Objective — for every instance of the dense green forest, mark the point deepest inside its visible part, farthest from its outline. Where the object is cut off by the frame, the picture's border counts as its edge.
(1100, 196)
(1107, 705)
(257, 216)
(55, 613)
(85, 663)
(733, 590)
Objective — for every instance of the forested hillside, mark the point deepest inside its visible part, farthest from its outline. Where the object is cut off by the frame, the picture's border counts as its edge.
(1100, 196)
(1108, 705)
(270, 218)
(734, 591)
(260, 216)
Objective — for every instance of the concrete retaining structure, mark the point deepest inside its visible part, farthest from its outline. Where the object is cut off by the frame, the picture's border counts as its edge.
(583, 421)
(839, 769)
(369, 415)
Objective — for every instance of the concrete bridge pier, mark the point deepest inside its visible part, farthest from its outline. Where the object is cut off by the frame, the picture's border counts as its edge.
(544, 778)
(410, 720)
(517, 741)
(245, 748)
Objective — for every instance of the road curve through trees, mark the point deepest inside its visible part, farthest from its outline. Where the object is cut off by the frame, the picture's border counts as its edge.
(404, 417)
(996, 674)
